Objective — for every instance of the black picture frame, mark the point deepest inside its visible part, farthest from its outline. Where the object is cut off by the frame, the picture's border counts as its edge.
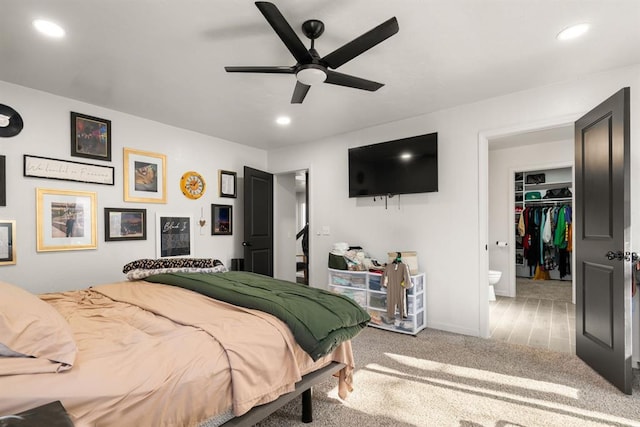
(125, 224)
(221, 220)
(3, 181)
(7, 242)
(227, 184)
(90, 137)
(174, 235)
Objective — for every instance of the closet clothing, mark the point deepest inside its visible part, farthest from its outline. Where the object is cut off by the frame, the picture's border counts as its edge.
(547, 241)
(397, 279)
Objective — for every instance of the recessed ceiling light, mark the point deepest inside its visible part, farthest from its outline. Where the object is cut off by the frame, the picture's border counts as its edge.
(572, 32)
(48, 28)
(283, 120)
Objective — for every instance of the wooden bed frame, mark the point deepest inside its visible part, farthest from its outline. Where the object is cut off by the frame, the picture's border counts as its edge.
(302, 387)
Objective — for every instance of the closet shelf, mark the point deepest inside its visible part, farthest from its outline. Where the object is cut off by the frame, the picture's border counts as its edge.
(547, 185)
(543, 201)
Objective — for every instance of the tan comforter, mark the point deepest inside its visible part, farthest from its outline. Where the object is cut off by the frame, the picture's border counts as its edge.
(156, 355)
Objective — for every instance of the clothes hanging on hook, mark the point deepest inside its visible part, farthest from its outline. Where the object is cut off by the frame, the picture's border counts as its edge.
(397, 279)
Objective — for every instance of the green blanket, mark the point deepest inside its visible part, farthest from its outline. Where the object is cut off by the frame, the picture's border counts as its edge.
(319, 320)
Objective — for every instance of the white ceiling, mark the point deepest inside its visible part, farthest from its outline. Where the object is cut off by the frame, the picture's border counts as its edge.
(164, 60)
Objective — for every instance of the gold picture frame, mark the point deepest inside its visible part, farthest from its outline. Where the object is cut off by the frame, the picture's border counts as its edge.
(66, 220)
(7, 242)
(145, 176)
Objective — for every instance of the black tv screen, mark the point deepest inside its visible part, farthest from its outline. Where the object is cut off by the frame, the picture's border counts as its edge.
(402, 166)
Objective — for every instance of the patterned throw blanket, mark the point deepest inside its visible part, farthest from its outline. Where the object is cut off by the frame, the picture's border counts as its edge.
(319, 320)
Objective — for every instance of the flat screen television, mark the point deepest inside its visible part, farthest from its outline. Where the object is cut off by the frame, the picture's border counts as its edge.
(402, 166)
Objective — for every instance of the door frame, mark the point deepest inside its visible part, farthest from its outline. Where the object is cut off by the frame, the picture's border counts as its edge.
(483, 202)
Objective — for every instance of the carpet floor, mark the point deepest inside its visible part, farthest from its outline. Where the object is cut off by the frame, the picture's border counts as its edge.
(444, 379)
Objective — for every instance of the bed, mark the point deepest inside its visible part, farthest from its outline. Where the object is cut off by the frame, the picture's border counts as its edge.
(152, 352)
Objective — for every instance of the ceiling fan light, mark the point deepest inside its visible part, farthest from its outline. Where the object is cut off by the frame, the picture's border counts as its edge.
(311, 75)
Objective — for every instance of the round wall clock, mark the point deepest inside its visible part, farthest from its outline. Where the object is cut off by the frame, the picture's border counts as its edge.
(192, 185)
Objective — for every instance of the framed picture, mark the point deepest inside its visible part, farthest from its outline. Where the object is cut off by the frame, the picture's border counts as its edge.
(7, 242)
(145, 176)
(66, 170)
(66, 220)
(3, 181)
(90, 137)
(222, 219)
(174, 235)
(125, 224)
(227, 181)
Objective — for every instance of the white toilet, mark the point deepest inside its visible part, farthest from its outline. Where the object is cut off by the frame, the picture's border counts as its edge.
(494, 277)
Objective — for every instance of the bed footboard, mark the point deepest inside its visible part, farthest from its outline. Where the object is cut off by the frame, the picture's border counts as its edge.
(302, 387)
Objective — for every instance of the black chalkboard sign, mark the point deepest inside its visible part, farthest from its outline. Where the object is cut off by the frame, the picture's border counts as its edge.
(175, 236)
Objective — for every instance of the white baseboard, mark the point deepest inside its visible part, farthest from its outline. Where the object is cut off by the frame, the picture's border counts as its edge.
(456, 329)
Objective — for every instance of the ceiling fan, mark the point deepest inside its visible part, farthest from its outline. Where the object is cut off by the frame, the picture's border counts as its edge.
(311, 68)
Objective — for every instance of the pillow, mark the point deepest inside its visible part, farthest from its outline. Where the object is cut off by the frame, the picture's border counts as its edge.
(30, 327)
(142, 273)
(152, 264)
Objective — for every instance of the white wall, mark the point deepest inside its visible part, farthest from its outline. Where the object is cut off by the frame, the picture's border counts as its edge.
(443, 227)
(503, 163)
(46, 133)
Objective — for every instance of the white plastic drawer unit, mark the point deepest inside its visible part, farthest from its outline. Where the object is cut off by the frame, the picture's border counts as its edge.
(355, 279)
(366, 289)
(418, 284)
(359, 296)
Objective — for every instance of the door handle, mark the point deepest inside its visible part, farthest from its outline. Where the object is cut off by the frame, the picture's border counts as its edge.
(246, 243)
(619, 255)
(615, 255)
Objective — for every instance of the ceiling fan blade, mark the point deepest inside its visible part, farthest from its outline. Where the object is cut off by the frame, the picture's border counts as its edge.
(361, 44)
(299, 93)
(276, 70)
(284, 31)
(340, 79)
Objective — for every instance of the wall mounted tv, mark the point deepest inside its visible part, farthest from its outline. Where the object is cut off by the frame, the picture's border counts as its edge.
(402, 166)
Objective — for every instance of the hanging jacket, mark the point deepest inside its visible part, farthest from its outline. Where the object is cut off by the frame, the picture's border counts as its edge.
(546, 233)
(561, 230)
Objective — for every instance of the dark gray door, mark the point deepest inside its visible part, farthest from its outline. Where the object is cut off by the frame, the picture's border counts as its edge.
(602, 222)
(258, 221)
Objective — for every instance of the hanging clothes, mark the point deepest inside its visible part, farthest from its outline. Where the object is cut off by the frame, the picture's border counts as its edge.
(548, 239)
(546, 231)
(397, 279)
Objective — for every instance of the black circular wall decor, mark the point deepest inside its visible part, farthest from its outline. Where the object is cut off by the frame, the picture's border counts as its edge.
(10, 122)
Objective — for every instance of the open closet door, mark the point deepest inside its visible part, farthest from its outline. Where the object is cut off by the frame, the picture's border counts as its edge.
(602, 236)
(258, 221)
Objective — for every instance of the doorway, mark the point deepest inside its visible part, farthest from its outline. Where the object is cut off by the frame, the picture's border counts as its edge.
(537, 313)
(302, 225)
(291, 215)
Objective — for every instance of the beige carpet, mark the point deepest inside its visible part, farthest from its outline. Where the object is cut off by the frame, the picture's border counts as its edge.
(443, 379)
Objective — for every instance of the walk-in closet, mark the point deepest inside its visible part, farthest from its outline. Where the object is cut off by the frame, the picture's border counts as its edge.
(543, 218)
